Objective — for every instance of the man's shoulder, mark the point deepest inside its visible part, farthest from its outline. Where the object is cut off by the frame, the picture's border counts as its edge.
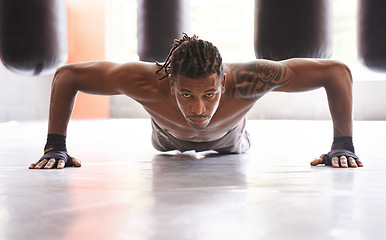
(135, 74)
(140, 80)
(136, 68)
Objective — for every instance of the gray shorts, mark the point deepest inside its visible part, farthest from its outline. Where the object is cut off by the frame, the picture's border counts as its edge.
(235, 141)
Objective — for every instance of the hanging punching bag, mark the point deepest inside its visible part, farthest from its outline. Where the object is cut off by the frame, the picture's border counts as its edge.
(159, 23)
(33, 35)
(372, 33)
(293, 28)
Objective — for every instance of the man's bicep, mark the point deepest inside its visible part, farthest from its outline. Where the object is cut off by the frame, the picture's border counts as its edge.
(254, 79)
(306, 74)
(88, 77)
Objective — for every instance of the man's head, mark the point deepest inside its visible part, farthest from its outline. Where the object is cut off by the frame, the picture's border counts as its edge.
(192, 57)
(196, 78)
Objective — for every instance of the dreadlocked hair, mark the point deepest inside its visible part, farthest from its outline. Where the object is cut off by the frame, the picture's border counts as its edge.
(192, 57)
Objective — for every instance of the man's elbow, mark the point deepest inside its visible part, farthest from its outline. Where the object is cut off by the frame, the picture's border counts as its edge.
(64, 75)
(339, 78)
(342, 72)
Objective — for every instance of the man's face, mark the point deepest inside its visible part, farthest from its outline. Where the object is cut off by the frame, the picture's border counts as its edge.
(198, 99)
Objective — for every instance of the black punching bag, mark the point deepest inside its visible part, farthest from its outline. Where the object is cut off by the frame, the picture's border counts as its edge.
(159, 23)
(372, 33)
(33, 35)
(293, 28)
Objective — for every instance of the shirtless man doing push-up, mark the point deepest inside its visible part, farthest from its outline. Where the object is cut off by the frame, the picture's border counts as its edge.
(197, 102)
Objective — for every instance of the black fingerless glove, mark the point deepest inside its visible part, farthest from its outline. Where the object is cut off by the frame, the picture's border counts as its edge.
(342, 146)
(56, 148)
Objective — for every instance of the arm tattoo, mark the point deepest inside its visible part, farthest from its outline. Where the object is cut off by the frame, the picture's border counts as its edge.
(254, 80)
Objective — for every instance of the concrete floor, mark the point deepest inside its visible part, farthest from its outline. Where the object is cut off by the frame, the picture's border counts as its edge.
(127, 190)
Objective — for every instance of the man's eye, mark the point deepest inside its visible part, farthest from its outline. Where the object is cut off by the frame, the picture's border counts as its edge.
(186, 95)
(209, 95)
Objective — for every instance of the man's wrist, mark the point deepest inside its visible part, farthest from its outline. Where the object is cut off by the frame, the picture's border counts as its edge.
(345, 142)
(55, 142)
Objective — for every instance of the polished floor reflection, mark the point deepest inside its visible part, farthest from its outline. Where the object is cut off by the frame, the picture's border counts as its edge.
(127, 190)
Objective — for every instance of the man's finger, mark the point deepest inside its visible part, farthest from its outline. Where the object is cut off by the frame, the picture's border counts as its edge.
(76, 162)
(335, 162)
(50, 163)
(352, 163)
(33, 165)
(317, 161)
(359, 163)
(343, 162)
(41, 164)
(61, 164)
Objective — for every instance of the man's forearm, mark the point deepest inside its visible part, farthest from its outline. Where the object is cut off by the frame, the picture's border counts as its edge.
(339, 92)
(63, 94)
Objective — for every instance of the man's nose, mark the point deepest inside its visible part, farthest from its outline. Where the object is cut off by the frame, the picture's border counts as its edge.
(198, 107)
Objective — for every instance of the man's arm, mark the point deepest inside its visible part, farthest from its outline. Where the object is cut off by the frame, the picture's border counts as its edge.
(90, 77)
(102, 78)
(336, 79)
(297, 75)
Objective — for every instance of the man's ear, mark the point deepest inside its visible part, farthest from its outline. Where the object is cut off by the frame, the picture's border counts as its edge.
(223, 82)
(171, 83)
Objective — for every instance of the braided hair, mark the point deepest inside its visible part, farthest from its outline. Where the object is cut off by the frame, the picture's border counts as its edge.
(192, 57)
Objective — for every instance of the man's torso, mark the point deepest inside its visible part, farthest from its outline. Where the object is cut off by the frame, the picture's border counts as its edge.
(165, 112)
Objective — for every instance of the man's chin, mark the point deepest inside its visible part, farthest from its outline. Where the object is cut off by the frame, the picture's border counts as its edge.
(198, 122)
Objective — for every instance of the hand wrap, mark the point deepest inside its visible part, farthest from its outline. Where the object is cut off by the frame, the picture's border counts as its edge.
(342, 146)
(56, 148)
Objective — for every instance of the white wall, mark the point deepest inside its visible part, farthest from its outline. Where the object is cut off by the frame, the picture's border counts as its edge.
(23, 98)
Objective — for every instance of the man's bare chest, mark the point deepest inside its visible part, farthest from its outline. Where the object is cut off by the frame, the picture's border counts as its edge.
(168, 116)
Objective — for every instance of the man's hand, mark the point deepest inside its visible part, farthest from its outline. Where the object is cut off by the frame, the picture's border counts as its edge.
(336, 162)
(56, 159)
